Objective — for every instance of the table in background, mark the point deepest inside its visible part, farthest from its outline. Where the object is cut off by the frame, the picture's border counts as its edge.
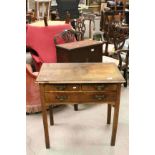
(71, 83)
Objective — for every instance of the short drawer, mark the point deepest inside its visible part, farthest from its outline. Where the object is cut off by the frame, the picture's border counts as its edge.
(98, 97)
(99, 87)
(58, 97)
(62, 87)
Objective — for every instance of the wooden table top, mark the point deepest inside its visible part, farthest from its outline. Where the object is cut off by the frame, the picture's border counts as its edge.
(79, 73)
(41, 23)
(79, 44)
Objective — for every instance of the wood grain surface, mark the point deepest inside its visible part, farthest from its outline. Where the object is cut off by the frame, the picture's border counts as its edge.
(79, 73)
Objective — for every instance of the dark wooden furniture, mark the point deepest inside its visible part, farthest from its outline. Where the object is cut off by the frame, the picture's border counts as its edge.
(79, 26)
(81, 51)
(115, 31)
(121, 59)
(80, 83)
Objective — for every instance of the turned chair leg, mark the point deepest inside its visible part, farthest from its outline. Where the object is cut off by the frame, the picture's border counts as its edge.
(75, 107)
(109, 114)
(51, 115)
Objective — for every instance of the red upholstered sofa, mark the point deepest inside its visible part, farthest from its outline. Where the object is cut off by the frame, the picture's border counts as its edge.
(40, 39)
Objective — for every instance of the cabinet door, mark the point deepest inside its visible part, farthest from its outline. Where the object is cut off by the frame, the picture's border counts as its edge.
(95, 54)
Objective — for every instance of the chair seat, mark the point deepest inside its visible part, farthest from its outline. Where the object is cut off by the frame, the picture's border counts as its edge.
(111, 49)
(106, 59)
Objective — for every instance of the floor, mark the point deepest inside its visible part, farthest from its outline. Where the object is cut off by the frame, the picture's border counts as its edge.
(82, 132)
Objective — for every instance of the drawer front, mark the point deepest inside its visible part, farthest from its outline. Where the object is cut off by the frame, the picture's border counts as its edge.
(98, 97)
(58, 97)
(79, 97)
(62, 87)
(99, 87)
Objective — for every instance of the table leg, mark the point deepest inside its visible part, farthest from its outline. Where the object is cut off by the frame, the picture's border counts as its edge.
(89, 28)
(44, 116)
(51, 115)
(109, 114)
(75, 107)
(115, 118)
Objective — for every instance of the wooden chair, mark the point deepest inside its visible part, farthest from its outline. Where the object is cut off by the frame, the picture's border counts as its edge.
(30, 17)
(115, 34)
(91, 18)
(80, 27)
(121, 60)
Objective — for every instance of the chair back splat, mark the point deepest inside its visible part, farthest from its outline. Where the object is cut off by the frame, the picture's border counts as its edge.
(67, 36)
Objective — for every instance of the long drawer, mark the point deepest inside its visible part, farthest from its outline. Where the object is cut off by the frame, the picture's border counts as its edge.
(59, 97)
(79, 97)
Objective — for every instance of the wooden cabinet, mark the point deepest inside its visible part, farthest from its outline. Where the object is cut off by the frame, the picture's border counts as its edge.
(80, 51)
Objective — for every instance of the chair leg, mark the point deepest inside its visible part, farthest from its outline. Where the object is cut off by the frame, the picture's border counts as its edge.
(75, 107)
(109, 114)
(125, 77)
(106, 49)
(51, 115)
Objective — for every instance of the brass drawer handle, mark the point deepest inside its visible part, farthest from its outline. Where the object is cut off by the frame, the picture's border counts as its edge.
(61, 98)
(74, 87)
(61, 87)
(100, 87)
(92, 49)
(99, 97)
